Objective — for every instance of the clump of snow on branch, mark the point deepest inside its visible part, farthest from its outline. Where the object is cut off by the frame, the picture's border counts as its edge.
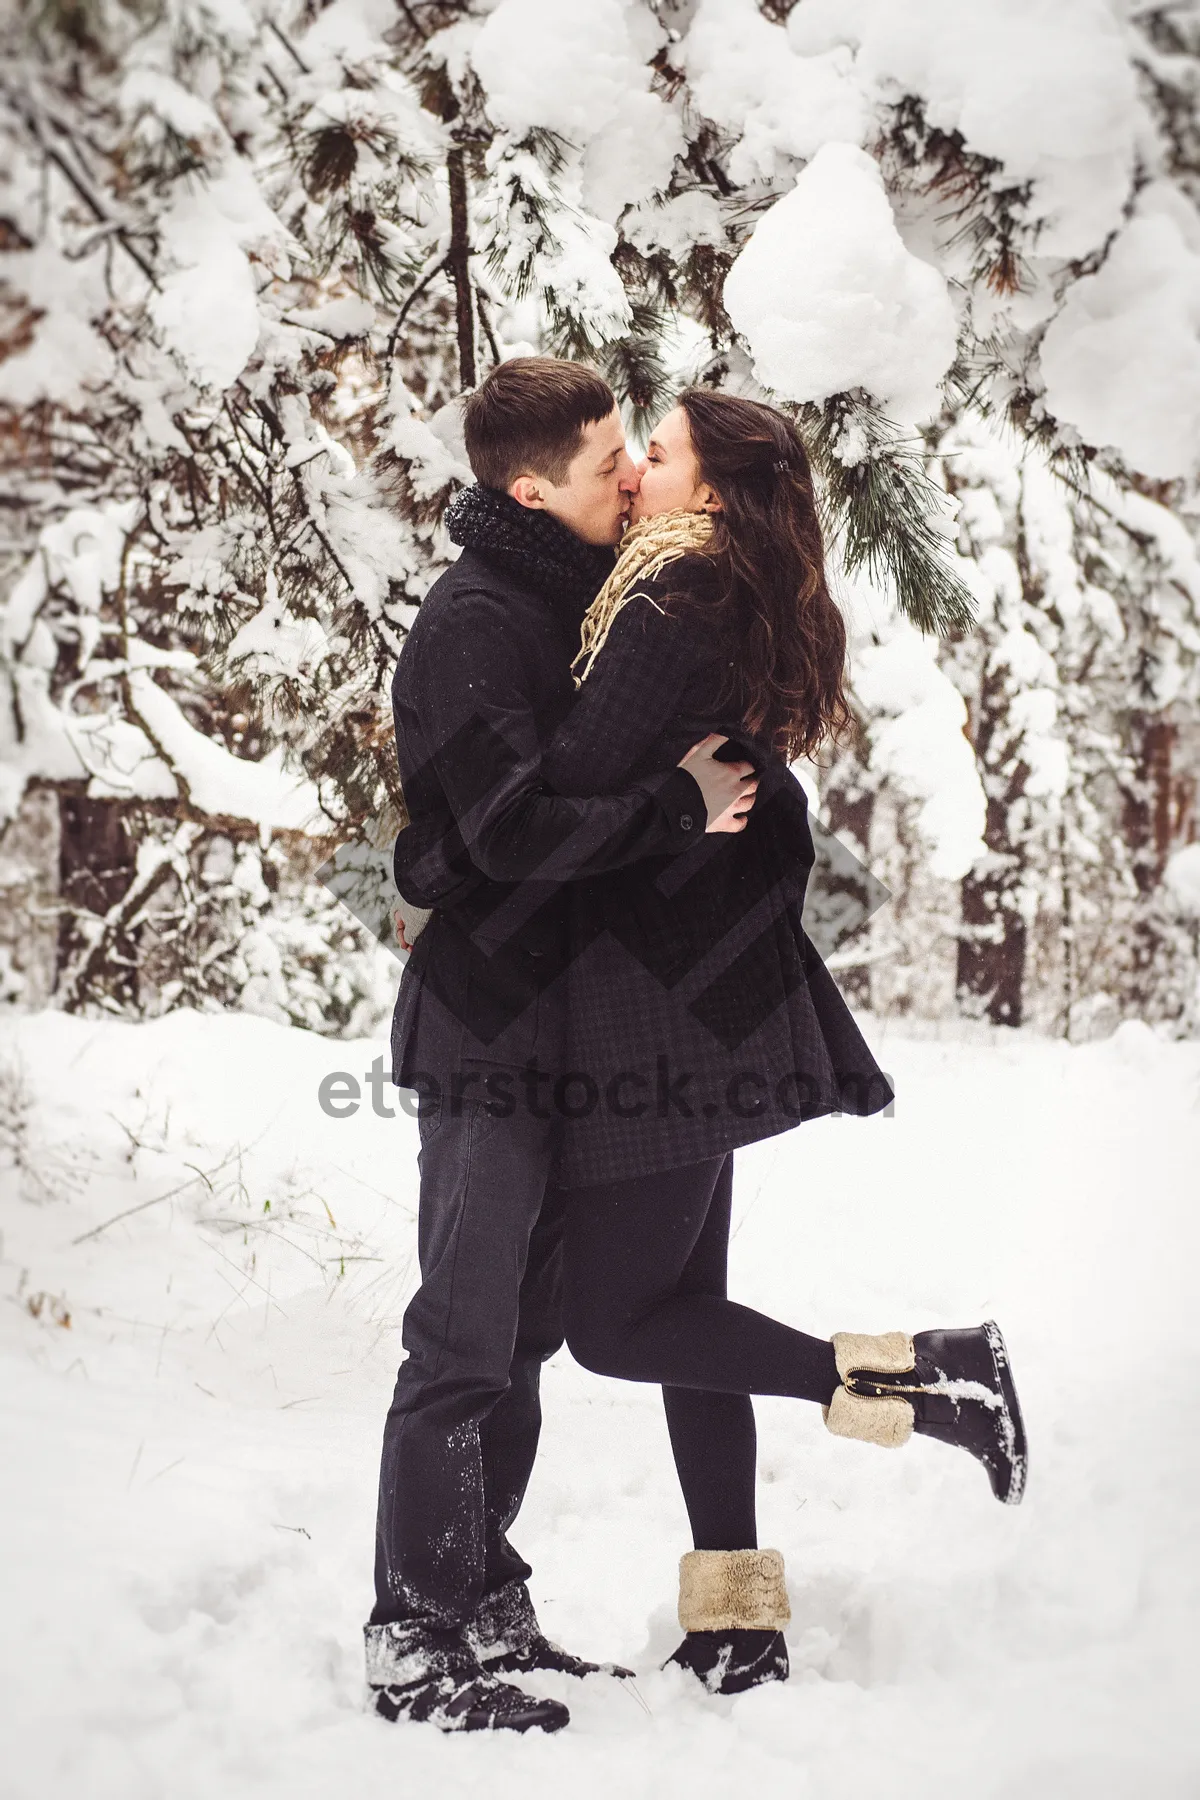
(747, 78)
(829, 297)
(1048, 91)
(918, 741)
(568, 66)
(1122, 358)
(1183, 879)
(207, 308)
(580, 68)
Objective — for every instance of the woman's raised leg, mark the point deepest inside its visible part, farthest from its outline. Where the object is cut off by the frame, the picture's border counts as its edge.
(630, 1314)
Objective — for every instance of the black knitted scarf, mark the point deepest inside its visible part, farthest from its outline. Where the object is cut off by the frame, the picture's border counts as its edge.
(531, 545)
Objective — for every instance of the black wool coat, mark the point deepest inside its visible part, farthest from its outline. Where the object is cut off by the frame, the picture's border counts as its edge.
(699, 1014)
(481, 683)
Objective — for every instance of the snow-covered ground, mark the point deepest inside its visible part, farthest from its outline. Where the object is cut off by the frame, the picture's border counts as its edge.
(188, 1466)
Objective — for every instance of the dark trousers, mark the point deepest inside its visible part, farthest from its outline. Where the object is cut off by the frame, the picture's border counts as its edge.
(645, 1299)
(462, 1431)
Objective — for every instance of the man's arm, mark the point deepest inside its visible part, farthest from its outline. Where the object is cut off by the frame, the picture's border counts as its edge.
(475, 707)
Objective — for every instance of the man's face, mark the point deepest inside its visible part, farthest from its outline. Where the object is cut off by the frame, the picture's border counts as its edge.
(601, 481)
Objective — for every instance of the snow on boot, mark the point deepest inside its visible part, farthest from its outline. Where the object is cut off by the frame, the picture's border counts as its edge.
(732, 1605)
(433, 1676)
(952, 1385)
(506, 1637)
(730, 1662)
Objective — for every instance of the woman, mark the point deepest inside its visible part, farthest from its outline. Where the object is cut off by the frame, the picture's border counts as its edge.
(703, 1018)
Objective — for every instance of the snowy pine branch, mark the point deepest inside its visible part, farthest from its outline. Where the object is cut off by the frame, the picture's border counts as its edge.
(887, 511)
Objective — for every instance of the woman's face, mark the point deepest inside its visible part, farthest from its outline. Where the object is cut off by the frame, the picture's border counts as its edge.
(669, 473)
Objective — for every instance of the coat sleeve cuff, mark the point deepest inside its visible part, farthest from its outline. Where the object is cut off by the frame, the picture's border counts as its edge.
(682, 804)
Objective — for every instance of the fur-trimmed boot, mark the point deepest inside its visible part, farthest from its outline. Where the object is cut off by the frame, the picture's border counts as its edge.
(952, 1385)
(507, 1639)
(733, 1605)
(421, 1673)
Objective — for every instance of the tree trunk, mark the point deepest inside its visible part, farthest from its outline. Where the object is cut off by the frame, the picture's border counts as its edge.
(1154, 817)
(459, 264)
(849, 802)
(991, 948)
(1149, 822)
(96, 863)
(992, 943)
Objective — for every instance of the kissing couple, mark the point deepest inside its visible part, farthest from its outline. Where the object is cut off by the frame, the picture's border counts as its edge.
(595, 710)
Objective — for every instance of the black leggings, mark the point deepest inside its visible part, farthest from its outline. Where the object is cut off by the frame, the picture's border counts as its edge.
(645, 1295)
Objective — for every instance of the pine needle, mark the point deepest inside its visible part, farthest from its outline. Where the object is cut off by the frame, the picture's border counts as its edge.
(881, 501)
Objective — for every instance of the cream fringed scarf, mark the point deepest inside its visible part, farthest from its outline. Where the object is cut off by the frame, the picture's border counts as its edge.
(646, 550)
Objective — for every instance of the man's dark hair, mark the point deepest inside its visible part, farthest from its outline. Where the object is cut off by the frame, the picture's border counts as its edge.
(528, 417)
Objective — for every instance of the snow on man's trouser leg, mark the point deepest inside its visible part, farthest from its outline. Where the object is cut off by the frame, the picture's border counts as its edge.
(462, 1431)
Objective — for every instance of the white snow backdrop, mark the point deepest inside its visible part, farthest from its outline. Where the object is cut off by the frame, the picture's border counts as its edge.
(187, 1492)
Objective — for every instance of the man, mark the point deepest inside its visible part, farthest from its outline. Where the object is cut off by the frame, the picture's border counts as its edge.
(479, 1029)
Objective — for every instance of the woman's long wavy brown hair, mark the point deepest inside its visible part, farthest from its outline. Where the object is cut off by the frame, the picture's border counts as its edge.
(786, 636)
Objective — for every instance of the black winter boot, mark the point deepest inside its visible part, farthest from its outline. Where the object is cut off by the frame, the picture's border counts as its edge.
(732, 1604)
(418, 1672)
(729, 1662)
(506, 1637)
(952, 1385)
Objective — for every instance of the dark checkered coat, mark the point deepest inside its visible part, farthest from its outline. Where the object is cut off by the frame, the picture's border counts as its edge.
(649, 986)
(699, 1014)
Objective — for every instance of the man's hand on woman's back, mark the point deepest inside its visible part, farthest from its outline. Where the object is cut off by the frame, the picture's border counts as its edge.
(728, 787)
